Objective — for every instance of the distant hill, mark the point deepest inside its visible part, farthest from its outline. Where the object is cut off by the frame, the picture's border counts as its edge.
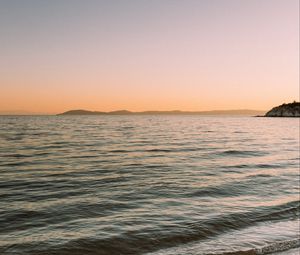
(176, 112)
(82, 112)
(285, 110)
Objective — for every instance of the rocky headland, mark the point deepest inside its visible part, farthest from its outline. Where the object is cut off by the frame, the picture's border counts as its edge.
(285, 110)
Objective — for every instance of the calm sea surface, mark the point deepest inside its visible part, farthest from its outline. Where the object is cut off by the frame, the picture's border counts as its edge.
(159, 185)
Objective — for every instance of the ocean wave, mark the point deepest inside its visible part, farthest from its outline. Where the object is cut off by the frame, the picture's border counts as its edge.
(242, 153)
(150, 240)
(257, 166)
(237, 187)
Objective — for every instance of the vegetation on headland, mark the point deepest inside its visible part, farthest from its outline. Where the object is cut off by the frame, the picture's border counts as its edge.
(285, 110)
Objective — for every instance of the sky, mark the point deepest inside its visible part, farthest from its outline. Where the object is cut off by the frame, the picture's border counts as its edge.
(141, 55)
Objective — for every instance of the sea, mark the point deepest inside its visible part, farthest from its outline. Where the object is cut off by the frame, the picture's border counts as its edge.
(153, 184)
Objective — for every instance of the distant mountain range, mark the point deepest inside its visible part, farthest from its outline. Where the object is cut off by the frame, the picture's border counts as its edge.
(245, 112)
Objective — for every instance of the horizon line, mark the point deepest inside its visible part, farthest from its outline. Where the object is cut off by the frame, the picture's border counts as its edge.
(122, 111)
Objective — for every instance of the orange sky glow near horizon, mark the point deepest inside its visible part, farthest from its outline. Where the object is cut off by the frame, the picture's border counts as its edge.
(148, 55)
